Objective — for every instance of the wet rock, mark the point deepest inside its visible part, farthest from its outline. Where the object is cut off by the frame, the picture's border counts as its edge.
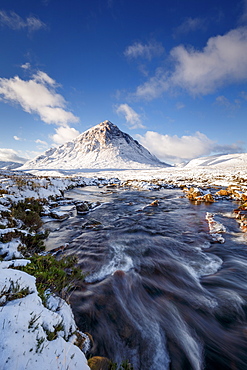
(82, 208)
(155, 203)
(119, 273)
(241, 215)
(46, 211)
(94, 205)
(196, 194)
(223, 193)
(53, 204)
(59, 215)
(207, 198)
(91, 224)
(59, 250)
(111, 186)
(99, 363)
(193, 193)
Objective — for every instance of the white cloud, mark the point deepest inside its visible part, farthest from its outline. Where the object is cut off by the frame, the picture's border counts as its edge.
(224, 102)
(10, 155)
(17, 138)
(64, 134)
(132, 118)
(43, 78)
(41, 142)
(190, 25)
(146, 51)
(154, 87)
(15, 22)
(38, 96)
(222, 61)
(26, 66)
(176, 149)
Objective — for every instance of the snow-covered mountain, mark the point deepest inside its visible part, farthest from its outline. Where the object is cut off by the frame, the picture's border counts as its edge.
(103, 146)
(8, 165)
(220, 161)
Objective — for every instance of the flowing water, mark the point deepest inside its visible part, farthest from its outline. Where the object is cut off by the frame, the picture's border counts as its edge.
(159, 292)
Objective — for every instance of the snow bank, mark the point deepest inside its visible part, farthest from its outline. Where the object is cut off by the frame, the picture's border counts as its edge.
(33, 336)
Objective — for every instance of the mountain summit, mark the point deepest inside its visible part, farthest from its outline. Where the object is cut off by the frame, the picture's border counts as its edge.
(103, 146)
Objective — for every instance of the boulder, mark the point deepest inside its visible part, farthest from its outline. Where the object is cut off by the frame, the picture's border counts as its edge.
(223, 193)
(59, 215)
(99, 363)
(82, 208)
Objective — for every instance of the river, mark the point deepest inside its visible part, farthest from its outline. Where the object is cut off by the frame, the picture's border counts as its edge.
(159, 291)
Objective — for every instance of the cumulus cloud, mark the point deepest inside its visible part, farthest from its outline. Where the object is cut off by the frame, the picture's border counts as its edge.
(222, 61)
(15, 22)
(37, 96)
(146, 51)
(132, 118)
(10, 155)
(174, 149)
(64, 134)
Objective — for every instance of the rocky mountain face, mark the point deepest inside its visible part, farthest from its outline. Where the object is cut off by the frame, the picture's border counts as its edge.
(103, 146)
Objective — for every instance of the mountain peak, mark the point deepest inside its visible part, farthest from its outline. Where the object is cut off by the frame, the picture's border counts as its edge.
(102, 146)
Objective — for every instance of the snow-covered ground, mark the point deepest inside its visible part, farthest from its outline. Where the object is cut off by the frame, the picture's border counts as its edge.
(199, 176)
(229, 161)
(27, 326)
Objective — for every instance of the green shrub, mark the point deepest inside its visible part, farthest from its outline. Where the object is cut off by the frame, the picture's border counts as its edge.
(33, 243)
(13, 292)
(58, 276)
(7, 237)
(31, 219)
(51, 335)
(125, 365)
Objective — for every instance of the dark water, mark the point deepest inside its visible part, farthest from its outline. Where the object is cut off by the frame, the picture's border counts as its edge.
(159, 292)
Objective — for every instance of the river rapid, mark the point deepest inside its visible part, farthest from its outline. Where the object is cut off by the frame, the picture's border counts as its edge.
(159, 291)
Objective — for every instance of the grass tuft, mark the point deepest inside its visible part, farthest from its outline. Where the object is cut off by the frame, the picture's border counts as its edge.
(57, 276)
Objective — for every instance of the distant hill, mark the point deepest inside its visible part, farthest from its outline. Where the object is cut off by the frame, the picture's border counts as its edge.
(103, 146)
(5, 165)
(220, 161)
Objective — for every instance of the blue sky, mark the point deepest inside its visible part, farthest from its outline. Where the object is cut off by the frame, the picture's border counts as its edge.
(173, 74)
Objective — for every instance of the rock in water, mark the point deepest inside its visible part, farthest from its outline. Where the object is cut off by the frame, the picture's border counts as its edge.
(103, 146)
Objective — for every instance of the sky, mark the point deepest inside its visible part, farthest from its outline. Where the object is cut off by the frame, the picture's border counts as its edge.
(172, 74)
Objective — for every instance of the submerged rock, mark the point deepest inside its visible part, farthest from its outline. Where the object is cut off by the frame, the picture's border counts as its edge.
(91, 224)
